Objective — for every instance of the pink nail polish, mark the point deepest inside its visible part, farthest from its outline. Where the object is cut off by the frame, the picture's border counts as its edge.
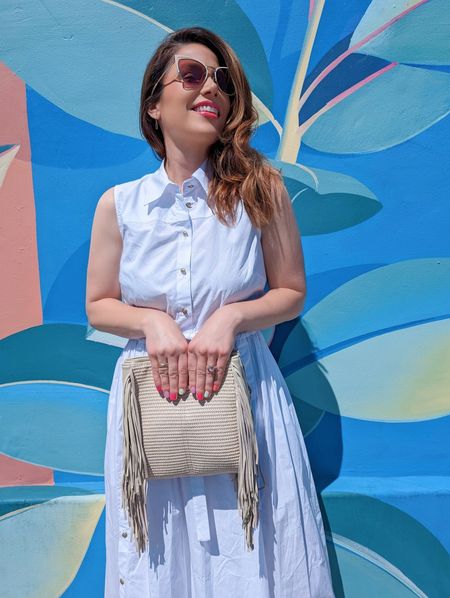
(166, 394)
(193, 390)
(173, 396)
(159, 388)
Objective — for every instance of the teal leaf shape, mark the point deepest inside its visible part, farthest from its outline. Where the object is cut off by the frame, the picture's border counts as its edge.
(375, 116)
(326, 201)
(380, 549)
(54, 424)
(384, 299)
(398, 376)
(227, 20)
(419, 31)
(95, 73)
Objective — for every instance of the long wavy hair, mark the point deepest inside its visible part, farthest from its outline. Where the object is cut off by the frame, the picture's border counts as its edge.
(239, 172)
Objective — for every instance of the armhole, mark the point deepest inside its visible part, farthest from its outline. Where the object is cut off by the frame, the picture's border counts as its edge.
(118, 208)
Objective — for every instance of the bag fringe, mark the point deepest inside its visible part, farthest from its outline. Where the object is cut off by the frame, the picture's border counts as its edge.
(134, 482)
(247, 486)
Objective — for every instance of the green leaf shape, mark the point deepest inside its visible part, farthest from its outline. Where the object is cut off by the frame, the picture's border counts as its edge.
(326, 201)
(44, 545)
(385, 298)
(380, 549)
(396, 377)
(78, 66)
(375, 116)
(420, 35)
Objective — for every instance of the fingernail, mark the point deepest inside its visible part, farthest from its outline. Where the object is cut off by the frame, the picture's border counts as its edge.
(159, 388)
(173, 396)
(193, 390)
(215, 387)
(166, 394)
(200, 396)
(206, 394)
(181, 391)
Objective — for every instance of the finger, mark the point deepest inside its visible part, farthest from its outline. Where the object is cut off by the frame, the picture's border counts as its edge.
(210, 361)
(220, 373)
(173, 376)
(156, 374)
(182, 373)
(200, 375)
(192, 371)
(163, 371)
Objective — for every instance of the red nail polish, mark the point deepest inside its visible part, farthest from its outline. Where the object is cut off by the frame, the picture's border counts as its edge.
(173, 396)
(159, 388)
(200, 396)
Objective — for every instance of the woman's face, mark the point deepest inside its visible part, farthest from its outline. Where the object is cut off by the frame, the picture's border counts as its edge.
(174, 111)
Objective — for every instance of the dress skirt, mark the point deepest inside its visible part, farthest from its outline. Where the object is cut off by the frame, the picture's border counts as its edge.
(196, 542)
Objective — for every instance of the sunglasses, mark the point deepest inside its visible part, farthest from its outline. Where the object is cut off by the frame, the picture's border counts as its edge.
(194, 73)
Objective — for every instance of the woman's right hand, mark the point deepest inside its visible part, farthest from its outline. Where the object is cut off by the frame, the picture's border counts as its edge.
(165, 343)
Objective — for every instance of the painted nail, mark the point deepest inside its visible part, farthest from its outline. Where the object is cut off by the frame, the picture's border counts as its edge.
(173, 396)
(206, 394)
(200, 396)
(215, 387)
(193, 390)
(181, 391)
(159, 388)
(166, 394)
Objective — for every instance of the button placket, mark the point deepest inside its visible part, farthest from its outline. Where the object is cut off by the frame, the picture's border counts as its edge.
(183, 274)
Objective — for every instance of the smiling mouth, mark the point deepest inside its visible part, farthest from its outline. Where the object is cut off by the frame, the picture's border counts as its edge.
(206, 112)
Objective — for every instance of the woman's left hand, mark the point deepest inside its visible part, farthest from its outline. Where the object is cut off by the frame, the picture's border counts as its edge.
(211, 346)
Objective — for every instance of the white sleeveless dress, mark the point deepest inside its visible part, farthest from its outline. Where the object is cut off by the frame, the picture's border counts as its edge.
(178, 257)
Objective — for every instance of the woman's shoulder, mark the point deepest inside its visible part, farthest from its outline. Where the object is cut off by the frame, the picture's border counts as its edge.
(134, 184)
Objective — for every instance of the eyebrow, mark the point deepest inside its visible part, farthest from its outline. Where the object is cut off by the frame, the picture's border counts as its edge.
(198, 60)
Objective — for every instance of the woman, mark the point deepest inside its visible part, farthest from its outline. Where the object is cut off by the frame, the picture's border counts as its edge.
(178, 264)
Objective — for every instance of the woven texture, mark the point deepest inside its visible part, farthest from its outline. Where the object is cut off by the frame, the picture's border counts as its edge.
(187, 437)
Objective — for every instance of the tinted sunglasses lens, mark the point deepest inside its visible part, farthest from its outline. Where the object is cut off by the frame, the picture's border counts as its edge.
(193, 73)
(224, 80)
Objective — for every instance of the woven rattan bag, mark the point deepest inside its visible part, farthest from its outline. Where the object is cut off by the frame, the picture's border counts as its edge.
(187, 437)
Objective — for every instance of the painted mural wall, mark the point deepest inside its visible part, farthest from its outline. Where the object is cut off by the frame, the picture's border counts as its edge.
(352, 97)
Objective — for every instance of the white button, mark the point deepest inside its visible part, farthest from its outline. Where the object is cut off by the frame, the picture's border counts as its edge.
(122, 581)
(185, 234)
(183, 270)
(188, 204)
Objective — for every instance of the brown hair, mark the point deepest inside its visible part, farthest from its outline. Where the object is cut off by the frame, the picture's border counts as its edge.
(238, 170)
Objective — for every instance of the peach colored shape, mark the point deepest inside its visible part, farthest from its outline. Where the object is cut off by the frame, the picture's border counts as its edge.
(19, 473)
(20, 299)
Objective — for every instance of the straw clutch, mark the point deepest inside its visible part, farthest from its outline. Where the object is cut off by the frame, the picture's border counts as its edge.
(187, 437)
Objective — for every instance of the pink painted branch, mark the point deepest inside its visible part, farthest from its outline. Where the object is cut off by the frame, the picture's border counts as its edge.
(350, 50)
(341, 96)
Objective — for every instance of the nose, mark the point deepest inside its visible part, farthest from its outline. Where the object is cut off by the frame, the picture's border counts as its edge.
(210, 83)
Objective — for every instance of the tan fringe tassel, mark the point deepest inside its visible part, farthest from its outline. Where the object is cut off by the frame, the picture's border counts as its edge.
(134, 482)
(247, 486)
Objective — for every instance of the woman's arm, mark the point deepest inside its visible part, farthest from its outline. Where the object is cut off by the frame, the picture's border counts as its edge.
(284, 262)
(104, 308)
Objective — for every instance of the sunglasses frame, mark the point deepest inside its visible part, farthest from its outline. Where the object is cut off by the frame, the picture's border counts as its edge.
(176, 58)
